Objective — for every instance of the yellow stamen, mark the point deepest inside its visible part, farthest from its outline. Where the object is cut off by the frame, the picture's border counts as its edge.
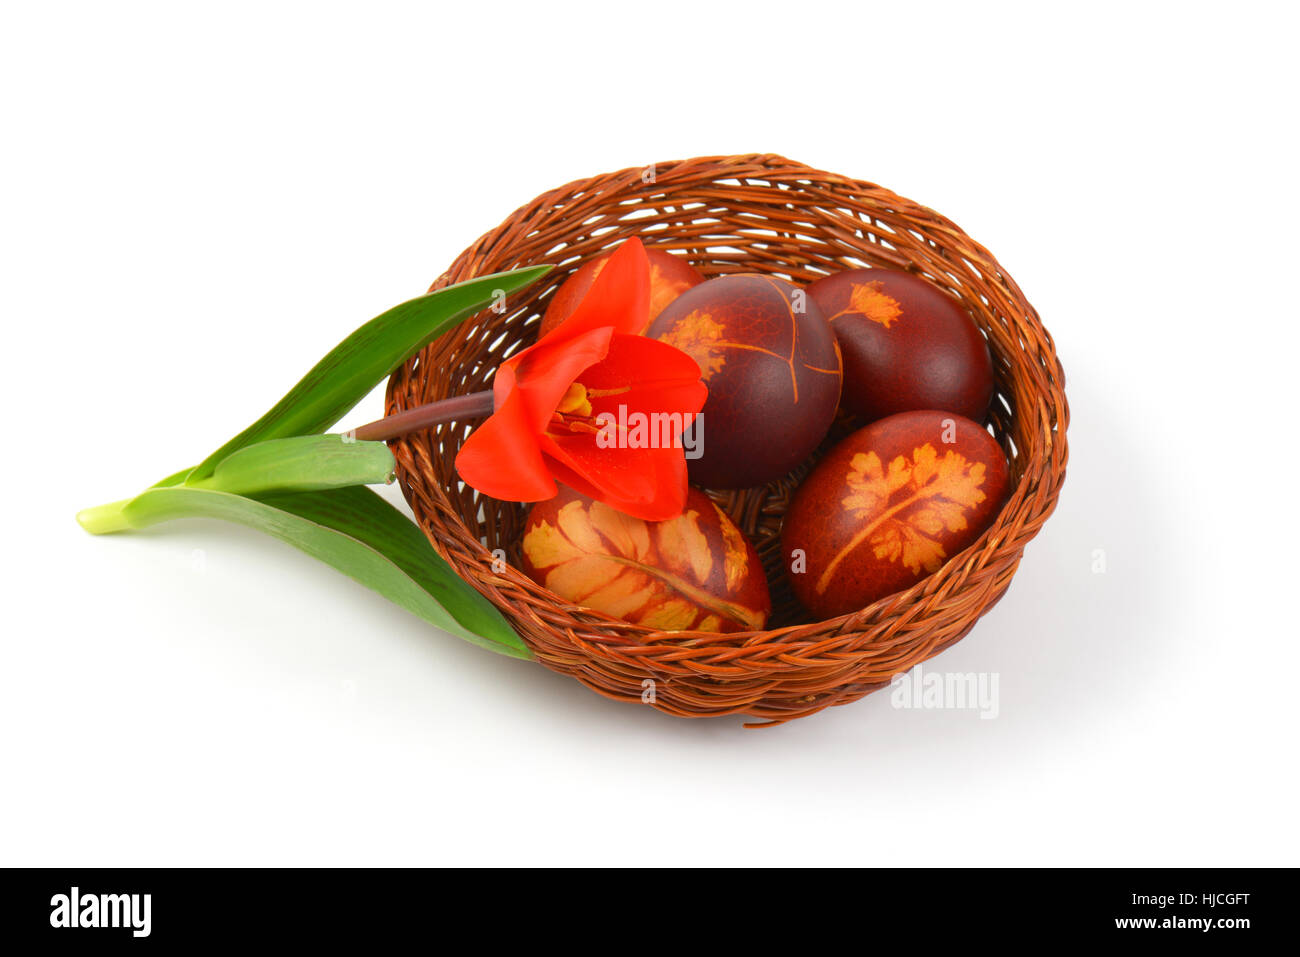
(575, 401)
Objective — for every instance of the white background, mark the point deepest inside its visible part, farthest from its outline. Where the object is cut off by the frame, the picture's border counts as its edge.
(200, 200)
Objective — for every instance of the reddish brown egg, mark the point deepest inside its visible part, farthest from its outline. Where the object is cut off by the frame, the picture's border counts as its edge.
(670, 276)
(906, 345)
(888, 506)
(696, 572)
(772, 367)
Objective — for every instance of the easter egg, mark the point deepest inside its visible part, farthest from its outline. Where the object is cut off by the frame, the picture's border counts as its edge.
(906, 345)
(772, 367)
(695, 572)
(888, 506)
(670, 276)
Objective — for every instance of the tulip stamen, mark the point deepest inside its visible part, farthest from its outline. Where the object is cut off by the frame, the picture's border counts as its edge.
(575, 423)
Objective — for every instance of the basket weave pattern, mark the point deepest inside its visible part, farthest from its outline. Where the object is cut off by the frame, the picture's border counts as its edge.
(758, 213)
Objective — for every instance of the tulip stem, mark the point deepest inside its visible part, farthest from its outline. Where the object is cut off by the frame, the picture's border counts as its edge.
(476, 405)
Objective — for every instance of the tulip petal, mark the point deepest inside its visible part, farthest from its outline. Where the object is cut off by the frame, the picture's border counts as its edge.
(542, 373)
(618, 298)
(632, 358)
(501, 458)
(655, 377)
(648, 483)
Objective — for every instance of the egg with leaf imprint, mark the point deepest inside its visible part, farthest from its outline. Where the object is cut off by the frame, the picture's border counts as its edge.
(906, 345)
(888, 506)
(670, 276)
(773, 370)
(695, 572)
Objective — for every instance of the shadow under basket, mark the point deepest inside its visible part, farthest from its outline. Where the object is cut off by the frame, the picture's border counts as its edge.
(758, 213)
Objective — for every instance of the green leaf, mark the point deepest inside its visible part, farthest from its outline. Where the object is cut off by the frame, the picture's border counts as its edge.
(300, 463)
(177, 478)
(364, 515)
(354, 530)
(362, 360)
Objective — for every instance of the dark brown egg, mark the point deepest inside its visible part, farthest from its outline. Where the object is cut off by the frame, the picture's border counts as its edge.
(888, 506)
(670, 276)
(696, 572)
(772, 367)
(906, 345)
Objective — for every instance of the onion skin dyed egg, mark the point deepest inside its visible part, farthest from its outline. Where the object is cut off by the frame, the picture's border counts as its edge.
(888, 506)
(695, 572)
(670, 276)
(773, 370)
(906, 344)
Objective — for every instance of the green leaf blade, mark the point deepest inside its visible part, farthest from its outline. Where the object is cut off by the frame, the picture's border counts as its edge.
(365, 358)
(359, 534)
(301, 463)
(364, 515)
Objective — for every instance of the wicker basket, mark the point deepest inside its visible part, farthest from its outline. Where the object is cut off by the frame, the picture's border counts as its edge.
(732, 214)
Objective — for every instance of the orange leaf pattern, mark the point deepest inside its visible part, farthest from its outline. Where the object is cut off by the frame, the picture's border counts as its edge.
(663, 290)
(737, 562)
(652, 573)
(907, 505)
(699, 335)
(684, 547)
(869, 299)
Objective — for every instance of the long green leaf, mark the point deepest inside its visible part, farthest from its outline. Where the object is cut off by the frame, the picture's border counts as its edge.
(300, 463)
(176, 478)
(354, 530)
(364, 515)
(361, 361)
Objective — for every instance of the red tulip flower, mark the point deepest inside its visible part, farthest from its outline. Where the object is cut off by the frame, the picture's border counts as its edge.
(559, 403)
